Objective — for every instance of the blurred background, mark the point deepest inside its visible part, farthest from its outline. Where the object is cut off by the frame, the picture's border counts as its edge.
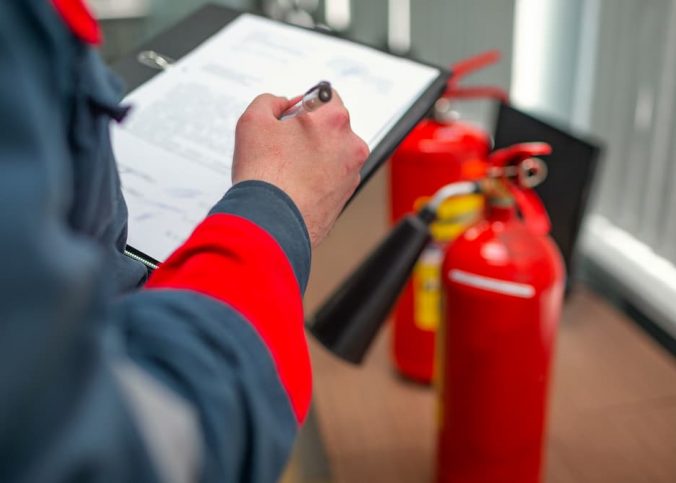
(604, 69)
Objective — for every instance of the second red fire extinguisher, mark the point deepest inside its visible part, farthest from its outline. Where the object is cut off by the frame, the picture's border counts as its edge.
(440, 150)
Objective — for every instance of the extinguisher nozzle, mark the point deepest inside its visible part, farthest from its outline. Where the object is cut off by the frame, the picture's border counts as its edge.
(349, 320)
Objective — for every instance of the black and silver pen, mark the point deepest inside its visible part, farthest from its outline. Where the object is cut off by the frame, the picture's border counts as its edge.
(312, 100)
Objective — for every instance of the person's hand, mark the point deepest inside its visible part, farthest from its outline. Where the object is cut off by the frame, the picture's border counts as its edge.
(315, 158)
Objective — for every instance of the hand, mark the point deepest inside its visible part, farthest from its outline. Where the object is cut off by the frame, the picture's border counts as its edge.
(314, 158)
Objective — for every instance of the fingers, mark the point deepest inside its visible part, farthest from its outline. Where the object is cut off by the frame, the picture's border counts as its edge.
(267, 106)
(362, 150)
(336, 116)
(332, 116)
(336, 97)
(342, 118)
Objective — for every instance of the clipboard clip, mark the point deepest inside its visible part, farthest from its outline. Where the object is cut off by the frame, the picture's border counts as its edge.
(152, 59)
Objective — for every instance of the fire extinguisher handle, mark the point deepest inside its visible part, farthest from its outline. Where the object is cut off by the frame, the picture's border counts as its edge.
(477, 92)
(467, 66)
(517, 153)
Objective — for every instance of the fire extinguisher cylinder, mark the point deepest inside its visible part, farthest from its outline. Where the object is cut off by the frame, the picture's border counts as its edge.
(349, 319)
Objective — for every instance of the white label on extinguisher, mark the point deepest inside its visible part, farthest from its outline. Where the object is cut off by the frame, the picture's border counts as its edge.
(515, 289)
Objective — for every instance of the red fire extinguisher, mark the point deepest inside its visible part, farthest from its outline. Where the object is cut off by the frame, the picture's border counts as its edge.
(440, 150)
(503, 283)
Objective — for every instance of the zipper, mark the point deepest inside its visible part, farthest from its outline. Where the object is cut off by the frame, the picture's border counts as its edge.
(147, 263)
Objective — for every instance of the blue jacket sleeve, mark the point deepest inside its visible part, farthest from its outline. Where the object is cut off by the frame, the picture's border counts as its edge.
(177, 382)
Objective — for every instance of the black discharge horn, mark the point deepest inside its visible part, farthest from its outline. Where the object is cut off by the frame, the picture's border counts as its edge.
(349, 319)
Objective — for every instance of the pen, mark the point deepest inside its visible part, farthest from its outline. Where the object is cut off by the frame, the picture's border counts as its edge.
(312, 100)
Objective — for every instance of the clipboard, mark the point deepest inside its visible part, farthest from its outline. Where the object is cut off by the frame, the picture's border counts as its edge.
(191, 32)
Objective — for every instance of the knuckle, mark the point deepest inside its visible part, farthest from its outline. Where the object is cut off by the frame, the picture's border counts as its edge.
(335, 95)
(355, 182)
(259, 102)
(363, 150)
(359, 152)
(261, 98)
(245, 119)
(340, 117)
(353, 166)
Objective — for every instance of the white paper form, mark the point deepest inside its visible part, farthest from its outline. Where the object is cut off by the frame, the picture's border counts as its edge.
(175, 149)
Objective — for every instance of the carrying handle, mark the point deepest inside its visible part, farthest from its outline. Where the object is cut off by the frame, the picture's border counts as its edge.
(521, 158)
(517, 153)
(467, 66)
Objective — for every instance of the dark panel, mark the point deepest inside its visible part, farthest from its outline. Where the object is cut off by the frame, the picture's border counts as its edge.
(572, 165)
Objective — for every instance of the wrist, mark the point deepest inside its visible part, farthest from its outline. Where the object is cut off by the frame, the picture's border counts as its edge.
(273, 210)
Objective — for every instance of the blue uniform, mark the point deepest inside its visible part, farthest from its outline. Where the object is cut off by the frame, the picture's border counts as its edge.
(105, 375)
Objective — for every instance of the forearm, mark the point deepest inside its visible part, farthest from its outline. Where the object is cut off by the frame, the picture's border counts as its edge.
(91, 378)
(221, 323)
(253, 254)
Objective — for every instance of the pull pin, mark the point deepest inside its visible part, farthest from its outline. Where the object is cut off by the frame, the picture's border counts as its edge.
(529, 173)
(152, 59)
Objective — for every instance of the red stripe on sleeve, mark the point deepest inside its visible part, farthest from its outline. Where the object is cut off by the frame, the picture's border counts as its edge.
(80, 20)
(233, 260)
